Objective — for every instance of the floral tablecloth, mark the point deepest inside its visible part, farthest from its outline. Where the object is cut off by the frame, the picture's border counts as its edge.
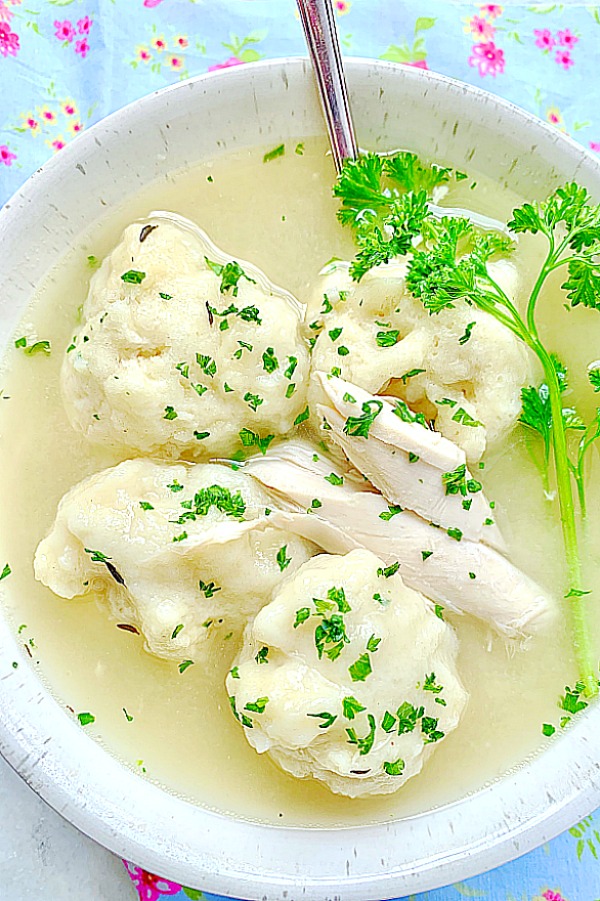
(66, 63)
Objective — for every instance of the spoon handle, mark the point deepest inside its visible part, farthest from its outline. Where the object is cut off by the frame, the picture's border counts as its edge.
(321, 36)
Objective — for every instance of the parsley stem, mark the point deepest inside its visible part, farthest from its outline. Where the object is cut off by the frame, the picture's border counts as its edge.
(577, 601)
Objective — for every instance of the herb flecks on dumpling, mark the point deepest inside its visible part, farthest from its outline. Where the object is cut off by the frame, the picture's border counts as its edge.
(348, 676)
(182, 348)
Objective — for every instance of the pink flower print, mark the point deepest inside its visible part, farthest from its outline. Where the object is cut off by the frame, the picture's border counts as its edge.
(564, 59)
(493, 10)
(488, 58)
(64, 31)
(176, 62)
(150, 4)
(7, 157)
(57, 144)
(549, 895)
(481, 29)
(182, 42)
(419, 64)
(75, 127)
(232, 61)
(9, 41)
(82, 47)
(595, 146)
(69, 108)
(553, 115)
(6, 12)
(543, 38)
(149, 886)
(32, 124)
(341, 7)
(159, 44)
(567, 38)
(47, 115)
(84, 25)
(143, 54)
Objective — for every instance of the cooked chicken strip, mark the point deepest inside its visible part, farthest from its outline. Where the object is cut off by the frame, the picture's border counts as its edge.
(341, 514)
(409, 463)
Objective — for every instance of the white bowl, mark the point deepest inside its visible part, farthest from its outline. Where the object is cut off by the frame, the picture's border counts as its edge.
(192, 121)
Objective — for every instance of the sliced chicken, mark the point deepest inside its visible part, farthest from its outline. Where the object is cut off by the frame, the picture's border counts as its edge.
(409, 463)
(325, 503)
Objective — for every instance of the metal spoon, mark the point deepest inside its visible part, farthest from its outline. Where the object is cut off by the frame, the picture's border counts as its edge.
(318, 21)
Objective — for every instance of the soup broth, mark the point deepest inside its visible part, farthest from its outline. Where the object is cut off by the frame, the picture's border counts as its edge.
(174, 728)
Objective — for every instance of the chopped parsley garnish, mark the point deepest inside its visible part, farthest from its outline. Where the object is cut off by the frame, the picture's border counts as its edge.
(373, 643)
(366, 743)
(234, 672)
(252, 439)
(209, 589)
(594, 378)
(289, 372)
(302, 417)
(277, 152)
(200, 436)
(439, 611)
(472, 575)
(461, 416)
(315, 503)
(133, 277)
(243, 346)
(394, 768)
(5, 572)
(37, 347)
(426, 555)
(350, 707)
(199, 389)
(184, 369)
(128, 716)
(230, 274)
(343, 352)
(175, 486)
(455, 533)
(431, 685)
(358, 426)
(283, 561)
(301, 616)
(328, 719)
(170, 413)
(387, 338)
(86, 719)
(429, 728)
(403, 412)
(184, 665)
(392, 510)
(299, 148)
(411, 374)
(176, 631)
(413, 458)
(335, 333)
(548, 730)
(330, 636)
(334, 479)
(93, 261)
(467, 334)
(456, 482)
(388, 571)
(96, 556)
(270, 361)
(165, 296)
(206, 364)
(257, 706)
(572, 701)
(408, 716)
(181, 537)
(253, 400)
(262, 655)
(388, 722)
(232, 504)
(290, 390)
(361, 668)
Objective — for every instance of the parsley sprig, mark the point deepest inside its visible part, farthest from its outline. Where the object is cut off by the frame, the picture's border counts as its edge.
(448, 266)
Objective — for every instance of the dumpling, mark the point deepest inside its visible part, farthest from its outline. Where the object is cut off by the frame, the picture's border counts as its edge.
(184, 552)
(348, 676)
(377, 335)
(182, 348)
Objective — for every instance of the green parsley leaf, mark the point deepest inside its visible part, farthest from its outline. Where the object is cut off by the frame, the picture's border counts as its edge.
(38, 347)
(328, 719)
(170, 413)
(165, 296)
(133, 277)
(373, 643)
(208, 588)
(455, 533)
(461, 416)
(366, 743)
(257, 706)
(283, 560)
(175, 486)
(86, 719)
(252, 439)
(572, 701)
(176, 631)
(394, 768)
(262, 655)
(92, 261)
(184, 665)
(332, 632)
(270, 361)
(276, 153)
(334, 479)
(594, 377)
(388, 338)
(128, 716)
(426, 555)
(358, 426)
(408, 717)
(388, 571)
(235, 672)
(392, 510)
(468, 331)
(388, 722)
(361, 668)
(302, 417)
(548, 730)
(403, 412)
(5, 572)
(230, 273)
(411, 374)
(350, 707)
(431, 685)
(301, 616)
(206, 364)
(200, 436)
(439, 611)
(254, 401)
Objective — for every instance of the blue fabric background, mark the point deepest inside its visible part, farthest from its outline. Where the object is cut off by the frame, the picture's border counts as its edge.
(66, 63)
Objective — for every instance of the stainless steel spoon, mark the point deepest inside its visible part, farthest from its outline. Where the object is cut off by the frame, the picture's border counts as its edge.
(318, 21)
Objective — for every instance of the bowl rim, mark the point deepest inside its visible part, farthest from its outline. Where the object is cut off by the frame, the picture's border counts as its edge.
(566, 774)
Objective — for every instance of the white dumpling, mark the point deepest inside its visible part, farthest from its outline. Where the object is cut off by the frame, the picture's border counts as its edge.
(184, 552)
(158, 368)
(460, 367)
(348, 676)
